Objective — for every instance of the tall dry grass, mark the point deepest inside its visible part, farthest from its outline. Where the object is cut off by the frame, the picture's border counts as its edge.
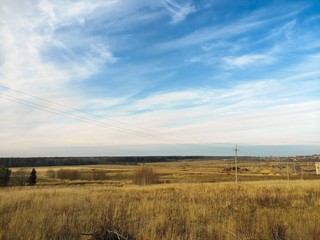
(260, 210)
(145, 176)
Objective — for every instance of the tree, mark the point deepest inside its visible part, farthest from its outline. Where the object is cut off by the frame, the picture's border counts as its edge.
(33, 177)
(4, 176)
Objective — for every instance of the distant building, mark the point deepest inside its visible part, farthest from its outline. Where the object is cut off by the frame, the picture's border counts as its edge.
(318, 168)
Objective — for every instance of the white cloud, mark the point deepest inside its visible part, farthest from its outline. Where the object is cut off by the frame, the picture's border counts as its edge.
(178, 11)
(27, 32)
(286, 30)
(256, 113)
(168, 100)
(39, 56)
(248, 59)
(254, 21)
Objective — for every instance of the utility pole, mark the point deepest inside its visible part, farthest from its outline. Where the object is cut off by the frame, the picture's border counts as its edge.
(236, 161)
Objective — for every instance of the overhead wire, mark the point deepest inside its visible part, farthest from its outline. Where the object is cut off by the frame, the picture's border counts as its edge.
(102, 124)
(82, 119)
(86, 112)
(153, 133)
(95, 122)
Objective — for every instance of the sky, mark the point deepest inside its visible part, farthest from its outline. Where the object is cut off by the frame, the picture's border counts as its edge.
(159, 77)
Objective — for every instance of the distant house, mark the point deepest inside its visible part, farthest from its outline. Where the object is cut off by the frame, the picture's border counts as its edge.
(318, 168)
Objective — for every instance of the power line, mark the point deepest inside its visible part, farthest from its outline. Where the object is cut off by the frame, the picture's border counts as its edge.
(82, 119)
(153, 134)
(176, 138)
(94, 122)
(79, 110)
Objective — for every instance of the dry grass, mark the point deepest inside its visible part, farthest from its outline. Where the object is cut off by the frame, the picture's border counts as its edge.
(145, 176)
(255, 210)
(175, 172)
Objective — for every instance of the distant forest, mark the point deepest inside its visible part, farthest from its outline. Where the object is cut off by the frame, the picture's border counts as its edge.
(68, 161)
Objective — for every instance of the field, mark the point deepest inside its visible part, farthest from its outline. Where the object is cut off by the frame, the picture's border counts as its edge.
(186, 171)
(190, 200)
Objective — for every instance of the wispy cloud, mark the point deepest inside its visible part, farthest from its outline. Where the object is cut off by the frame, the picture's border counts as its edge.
(247, 113)
(251, 77)
(255, 21)
(26, 39)
(178, 11)
(249, 59)
(285, 31)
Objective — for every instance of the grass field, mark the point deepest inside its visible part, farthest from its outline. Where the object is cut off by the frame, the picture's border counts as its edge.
(193, 200)
(184, 172)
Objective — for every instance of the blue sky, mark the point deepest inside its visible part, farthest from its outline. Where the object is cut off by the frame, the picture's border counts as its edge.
(163, 77)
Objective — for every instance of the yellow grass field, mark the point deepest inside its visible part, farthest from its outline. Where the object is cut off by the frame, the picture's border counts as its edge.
(189, 202)
(185, 172)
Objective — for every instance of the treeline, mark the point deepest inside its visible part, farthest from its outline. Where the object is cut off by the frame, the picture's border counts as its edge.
(69, 161)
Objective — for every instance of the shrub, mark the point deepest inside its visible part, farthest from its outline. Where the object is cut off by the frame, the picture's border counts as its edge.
(68, 174)
(81, 175)
(145, 176)
(51, 174)
(19, 178)
(5, 176)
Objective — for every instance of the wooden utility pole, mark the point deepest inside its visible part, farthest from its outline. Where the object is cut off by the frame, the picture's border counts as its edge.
(236, 161)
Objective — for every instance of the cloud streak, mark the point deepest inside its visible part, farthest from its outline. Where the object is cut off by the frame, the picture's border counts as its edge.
(255, 21)
(25, 41)
(178, 11)
(185, 70)
(245, 60)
